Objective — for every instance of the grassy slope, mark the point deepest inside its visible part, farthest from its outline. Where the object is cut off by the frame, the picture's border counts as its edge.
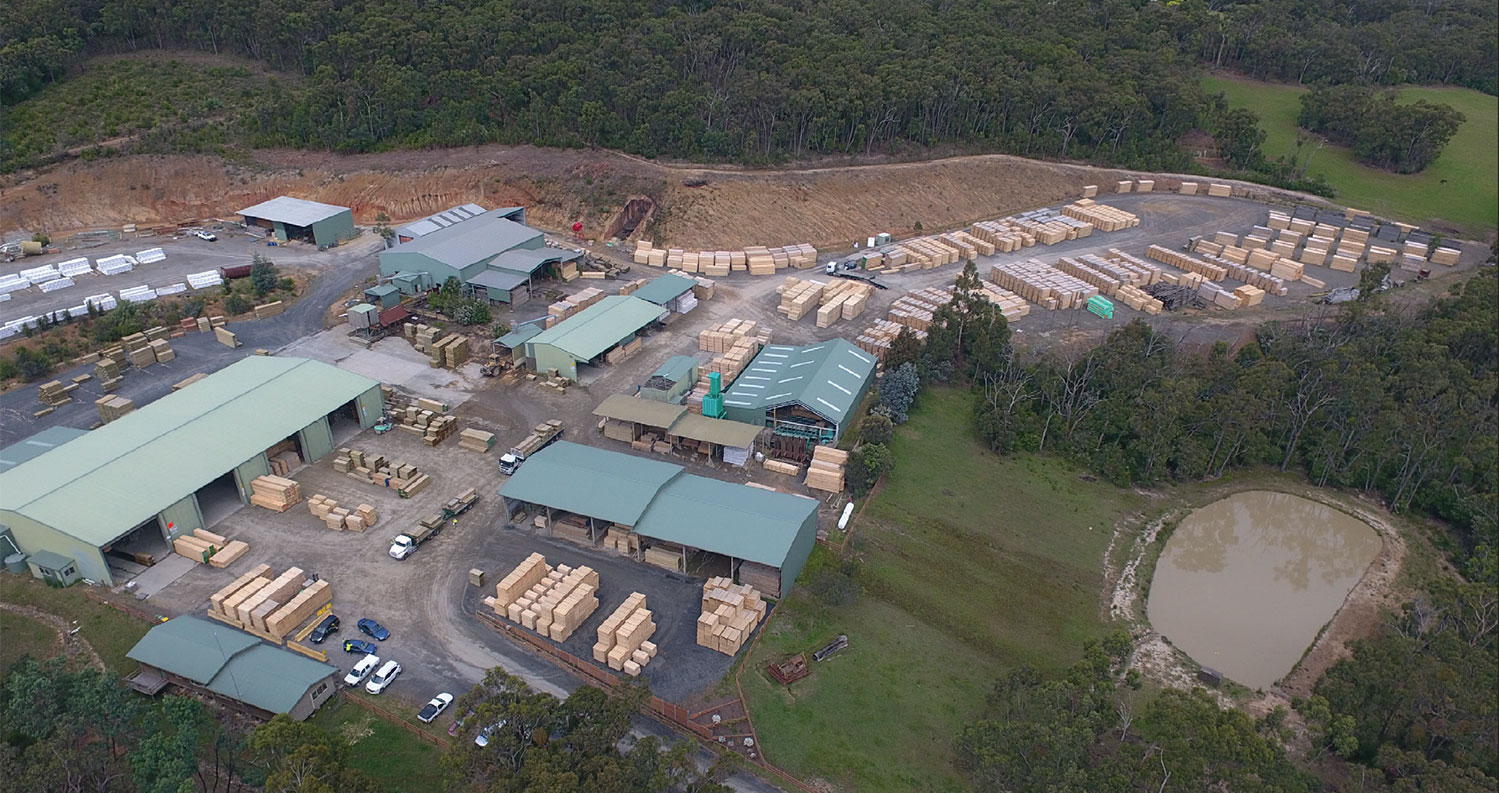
(21, 636)
(1469, 164)
(112, 633)
(399, 762)
(961, 587)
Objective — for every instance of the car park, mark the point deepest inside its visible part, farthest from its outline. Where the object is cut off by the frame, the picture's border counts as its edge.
(359, 646)
(324, 629)
(373, 629)
(382, 679)
(361, 670)
(435, 708)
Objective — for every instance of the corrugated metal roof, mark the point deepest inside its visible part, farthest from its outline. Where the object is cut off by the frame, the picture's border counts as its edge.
(600, 326)
(594, 482)
(826, 378)
(230, 662)
(36, 446)
(677, 367)
(529, 260)
(295, 211)
(443, 219)
(520, 335)
(727, 518)
(474, 240)
(720, 431)
(665, 289)
(383, 289)
(641, 411)
(114, 478)
(499, 279)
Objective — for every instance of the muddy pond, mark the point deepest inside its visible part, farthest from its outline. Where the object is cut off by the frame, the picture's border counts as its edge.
(1245, 584)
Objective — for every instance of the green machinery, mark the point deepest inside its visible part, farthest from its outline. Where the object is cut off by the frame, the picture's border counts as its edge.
(713, 402)
(1100, 305)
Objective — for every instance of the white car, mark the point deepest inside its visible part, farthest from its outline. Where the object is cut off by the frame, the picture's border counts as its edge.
(206, 236)
(482, 739)
(362, 670)
(435, 708)
(383, 677)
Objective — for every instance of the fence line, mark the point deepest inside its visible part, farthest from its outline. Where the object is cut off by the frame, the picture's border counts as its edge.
(89, 593)
(394, 719)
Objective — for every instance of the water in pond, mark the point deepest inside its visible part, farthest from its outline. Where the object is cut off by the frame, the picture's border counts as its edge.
(1245, 584)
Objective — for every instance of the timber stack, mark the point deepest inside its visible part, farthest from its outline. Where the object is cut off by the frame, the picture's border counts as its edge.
(476, 440)
(730, 614)
(339, 518)
(375, 469)
(623, 638)
(825, 472)
(275, 493)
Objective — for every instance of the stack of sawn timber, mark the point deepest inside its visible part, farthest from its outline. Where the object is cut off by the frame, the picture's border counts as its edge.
(825, 472)
(216, 549)
(554, 602)
(623, 637)
(269, 608)
(1043, 284)
(339, 518)
(374, 469)
(730, 613)
(1101, 216)
(476, 440)
(275, 493)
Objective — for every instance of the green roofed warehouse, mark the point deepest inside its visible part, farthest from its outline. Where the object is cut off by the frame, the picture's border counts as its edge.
(180, 463)
(764, 536)
(805, 395)
(591, 334)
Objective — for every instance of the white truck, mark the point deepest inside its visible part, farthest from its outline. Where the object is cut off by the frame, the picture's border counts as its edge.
(405, 544)
(543, 436)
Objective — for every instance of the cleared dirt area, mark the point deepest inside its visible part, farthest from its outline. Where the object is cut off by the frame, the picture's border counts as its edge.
(727, 208)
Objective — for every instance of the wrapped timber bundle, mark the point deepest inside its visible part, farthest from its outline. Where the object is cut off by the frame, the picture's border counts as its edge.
(623, 638)
(730, 615)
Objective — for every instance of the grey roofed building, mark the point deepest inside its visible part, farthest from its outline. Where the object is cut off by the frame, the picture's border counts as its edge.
(232, 664)
(447, 217)
(499, 279)
(469, 246)
(37, 445)
(295, 211)
(664, 503)
(528, 261)
(594, 482)
(295, 218)
(665, 289)
(829, 379)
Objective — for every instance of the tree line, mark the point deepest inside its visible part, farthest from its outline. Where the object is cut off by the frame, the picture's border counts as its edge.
(1384, 133)
(758, 81)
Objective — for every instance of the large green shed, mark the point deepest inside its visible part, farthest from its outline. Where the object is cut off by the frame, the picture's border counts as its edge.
(290, 218)
(587, 335)
(805, 395)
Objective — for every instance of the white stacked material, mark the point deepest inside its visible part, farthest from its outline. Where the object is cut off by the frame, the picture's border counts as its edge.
(78, 311)
(138, 294)
(54, 285)
(149, 256)
(74, 267)
(102, 302)
(204, 279)
(38, 275)
(4, 296)
(114, 265)
(12, 283)
(172, 289)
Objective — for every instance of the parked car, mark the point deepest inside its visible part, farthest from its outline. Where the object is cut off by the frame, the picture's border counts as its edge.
(482, 739)
(435, 708)
(458, 723)
(206, 236)
(361, 670)
(373, 630)
(359, 646)
(324, 629)
(382, 678)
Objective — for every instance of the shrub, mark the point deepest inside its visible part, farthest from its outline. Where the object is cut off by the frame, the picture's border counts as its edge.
(877, 427)
(898, 391)
(473, 312)
(263, 276)
(8, 370)
(866, 464)
(237, 304)
(836, 586)
(31, 364)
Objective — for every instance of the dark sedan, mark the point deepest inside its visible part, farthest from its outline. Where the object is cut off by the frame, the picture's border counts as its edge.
(373, 630)
(359, 646)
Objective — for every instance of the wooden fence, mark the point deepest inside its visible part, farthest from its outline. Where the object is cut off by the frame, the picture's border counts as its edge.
(440, 743)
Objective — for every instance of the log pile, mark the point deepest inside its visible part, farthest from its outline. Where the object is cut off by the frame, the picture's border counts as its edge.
(730, 614)
(623, 638)
(825, 472)
(275, 493)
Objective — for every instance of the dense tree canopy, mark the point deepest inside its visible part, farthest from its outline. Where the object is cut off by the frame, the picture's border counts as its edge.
(1401, 137)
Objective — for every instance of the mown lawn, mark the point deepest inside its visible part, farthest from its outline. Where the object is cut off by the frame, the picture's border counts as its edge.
(112, 633)
(21, 636)
(971, 564)
(399, 761)
(1461, 188)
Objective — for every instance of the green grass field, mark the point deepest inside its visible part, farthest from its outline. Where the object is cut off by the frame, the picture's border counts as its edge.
(1468, 202)
(398, 761)
(972, 564)
(112, 633)
(21, 636)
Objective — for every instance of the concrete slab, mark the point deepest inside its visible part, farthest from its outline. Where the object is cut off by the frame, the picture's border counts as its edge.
(163, 574)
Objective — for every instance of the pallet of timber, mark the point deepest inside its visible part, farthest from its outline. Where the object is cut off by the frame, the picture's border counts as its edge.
(825, 471)
(275, 493)
(476, 440)
(301, 608)
(217, 599)
(730, 614)
(1211, 272)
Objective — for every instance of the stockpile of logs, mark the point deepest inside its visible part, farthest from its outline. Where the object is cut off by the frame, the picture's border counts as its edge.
(825, 472)
(730, 614)
(623, 638)
(275, 493)
(375, 469)
(1100, 216)
(1211, 272)
(1043, 284)
(877, 338)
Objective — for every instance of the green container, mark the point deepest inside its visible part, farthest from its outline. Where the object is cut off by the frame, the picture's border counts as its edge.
(1100, 305)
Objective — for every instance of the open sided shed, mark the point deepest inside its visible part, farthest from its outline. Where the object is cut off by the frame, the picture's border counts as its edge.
(290, 218)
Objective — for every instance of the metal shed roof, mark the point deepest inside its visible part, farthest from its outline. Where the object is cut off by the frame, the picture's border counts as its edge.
(36, 445)
(676, 367)
(230, 662)
(641, 411)
(473, 240)
(727, 518)
(720, 431)
(440, 220)
(600, 326)
(665, 289)
(594, 482)
(383, 289)
(529, 260)
(825, 378)
(114, 478)
(499, 279)
(519, 335)
(295, 211)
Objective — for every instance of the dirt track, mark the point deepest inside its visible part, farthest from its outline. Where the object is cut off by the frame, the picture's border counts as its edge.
(827, 206)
